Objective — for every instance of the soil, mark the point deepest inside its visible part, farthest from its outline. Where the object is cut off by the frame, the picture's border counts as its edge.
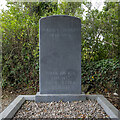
(115, 100)
(8, 96)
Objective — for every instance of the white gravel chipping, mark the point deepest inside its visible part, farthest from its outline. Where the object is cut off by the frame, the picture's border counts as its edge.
(76, 109)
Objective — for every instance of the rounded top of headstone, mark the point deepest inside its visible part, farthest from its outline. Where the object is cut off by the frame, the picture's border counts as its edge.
(60, 16)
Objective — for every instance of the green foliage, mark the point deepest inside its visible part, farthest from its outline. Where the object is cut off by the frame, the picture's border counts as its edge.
(20, 41)
(19, 46)
(42, 8)
(101, 75)
(100, 33)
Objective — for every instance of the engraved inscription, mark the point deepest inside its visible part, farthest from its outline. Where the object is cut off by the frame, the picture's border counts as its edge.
(55, 33)
(60, 30)
(63, 77)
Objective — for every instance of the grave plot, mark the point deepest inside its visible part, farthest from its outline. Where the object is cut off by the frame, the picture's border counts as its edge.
(60, 93)
(95, 106)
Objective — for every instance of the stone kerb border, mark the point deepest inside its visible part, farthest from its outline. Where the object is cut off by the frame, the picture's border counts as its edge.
(10, 111)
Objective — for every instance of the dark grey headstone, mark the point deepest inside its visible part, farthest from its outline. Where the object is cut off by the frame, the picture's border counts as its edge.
(60, 55)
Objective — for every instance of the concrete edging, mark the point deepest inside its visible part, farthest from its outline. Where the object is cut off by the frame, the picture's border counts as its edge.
(108, 107)
(59, 97)
(10, 111)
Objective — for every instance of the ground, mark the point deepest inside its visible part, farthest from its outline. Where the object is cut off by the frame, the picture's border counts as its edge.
(8, 96)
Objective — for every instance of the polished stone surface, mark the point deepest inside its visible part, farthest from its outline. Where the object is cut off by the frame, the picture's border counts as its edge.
(60, 55)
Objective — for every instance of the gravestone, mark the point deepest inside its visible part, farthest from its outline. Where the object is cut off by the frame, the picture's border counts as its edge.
(60, 56)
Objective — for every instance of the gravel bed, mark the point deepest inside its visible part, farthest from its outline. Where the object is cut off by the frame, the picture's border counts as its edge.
(76, 109)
